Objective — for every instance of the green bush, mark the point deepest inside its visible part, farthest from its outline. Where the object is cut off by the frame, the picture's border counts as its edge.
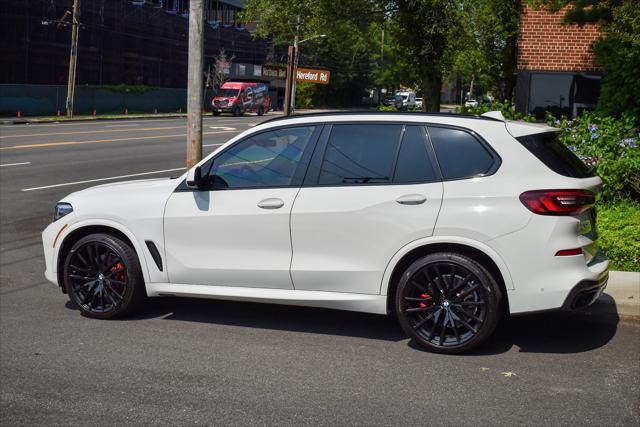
(611, 145)
(506, 108)
(383, 107)
(304, 94)
(619, 229)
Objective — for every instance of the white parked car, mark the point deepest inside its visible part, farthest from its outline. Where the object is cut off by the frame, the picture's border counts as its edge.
(471, 103)
(407, 98)
(445, 221)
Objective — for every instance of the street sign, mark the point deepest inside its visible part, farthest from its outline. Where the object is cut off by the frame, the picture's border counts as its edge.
(274, 72)
(313, 76)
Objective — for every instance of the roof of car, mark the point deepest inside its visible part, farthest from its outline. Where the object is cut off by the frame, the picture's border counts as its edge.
(378, 114)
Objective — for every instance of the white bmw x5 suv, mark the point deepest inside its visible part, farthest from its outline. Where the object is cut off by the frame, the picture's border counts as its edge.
(445, 221)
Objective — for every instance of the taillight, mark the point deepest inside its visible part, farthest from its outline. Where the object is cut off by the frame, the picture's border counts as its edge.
(558, 202)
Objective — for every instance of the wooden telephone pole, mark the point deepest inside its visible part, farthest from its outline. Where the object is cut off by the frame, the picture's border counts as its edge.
(73, 58)
(195, 78)
(288, 86)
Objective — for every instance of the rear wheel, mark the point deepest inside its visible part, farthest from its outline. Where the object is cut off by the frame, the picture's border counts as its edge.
(448, 303)
(102, 276)
(237, 112)
(216, 113)
(261, 111)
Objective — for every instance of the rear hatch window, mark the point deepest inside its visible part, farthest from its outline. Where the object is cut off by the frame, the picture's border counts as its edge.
(555, 155)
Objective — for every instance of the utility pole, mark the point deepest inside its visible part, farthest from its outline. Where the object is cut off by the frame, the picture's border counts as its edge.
(195, 77)
(288, 86)
(295, 66)
(73, 57)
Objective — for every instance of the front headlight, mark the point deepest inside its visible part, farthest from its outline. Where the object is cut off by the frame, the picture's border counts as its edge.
(61, 210)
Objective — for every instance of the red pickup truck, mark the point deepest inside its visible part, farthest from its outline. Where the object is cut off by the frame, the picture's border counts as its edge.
(238, 98)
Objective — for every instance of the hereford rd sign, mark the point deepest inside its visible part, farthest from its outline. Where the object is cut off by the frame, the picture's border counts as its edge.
(310, 75)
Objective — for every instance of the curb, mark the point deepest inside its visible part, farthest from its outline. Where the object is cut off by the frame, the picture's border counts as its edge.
(22, 121)
(621, 298)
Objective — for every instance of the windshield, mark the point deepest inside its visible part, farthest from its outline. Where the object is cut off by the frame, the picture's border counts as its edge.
(228, 93)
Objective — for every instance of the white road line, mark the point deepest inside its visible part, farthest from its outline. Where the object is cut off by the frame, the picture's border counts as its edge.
(222, 128)
(101, 179)
(212, 145)
(15, 164)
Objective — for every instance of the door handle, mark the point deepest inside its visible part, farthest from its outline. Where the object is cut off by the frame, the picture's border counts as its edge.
(411, 199)
(271, 203)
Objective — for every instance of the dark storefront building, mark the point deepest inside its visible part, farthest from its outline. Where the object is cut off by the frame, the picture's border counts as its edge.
(557, 71)
(134, 42)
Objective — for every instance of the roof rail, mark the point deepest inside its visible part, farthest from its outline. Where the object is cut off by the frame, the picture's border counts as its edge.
(380, 113)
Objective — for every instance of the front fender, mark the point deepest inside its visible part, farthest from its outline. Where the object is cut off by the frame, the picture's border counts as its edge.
(495, 257)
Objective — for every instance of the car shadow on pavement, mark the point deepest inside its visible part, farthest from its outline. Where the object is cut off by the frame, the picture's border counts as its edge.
(548, 332)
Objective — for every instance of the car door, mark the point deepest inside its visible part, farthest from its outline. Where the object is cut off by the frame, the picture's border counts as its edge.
(371, 189)
(235, 232)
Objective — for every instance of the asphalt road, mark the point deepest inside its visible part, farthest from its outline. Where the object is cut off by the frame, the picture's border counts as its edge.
(184, 361)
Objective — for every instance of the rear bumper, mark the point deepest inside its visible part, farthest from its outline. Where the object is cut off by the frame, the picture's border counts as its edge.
(585, 293)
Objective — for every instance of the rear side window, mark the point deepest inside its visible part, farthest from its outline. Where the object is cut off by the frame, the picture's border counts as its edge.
(413, 164)
(460, 154)
(360, 154)
(555, 155)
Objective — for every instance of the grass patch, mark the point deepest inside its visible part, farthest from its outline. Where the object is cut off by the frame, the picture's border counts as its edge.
(619, 230)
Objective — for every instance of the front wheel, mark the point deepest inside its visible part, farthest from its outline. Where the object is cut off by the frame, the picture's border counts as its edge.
(261, 111)
(103, 278)
(448, 303)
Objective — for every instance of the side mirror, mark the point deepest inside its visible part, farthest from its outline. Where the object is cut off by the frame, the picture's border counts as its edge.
(194, 178)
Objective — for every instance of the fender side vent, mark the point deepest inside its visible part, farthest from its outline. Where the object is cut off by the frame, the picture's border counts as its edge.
(154, 253)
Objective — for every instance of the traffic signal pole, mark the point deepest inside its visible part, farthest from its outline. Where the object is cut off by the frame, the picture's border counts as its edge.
(195, 77)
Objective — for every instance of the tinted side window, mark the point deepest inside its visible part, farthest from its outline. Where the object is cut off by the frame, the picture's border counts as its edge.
(268, 159)
(459, 153)
(413, 164)
(555, 155)
(360, 154)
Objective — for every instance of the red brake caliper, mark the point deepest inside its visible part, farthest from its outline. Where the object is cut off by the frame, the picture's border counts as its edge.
(425, 296)
(120, 276)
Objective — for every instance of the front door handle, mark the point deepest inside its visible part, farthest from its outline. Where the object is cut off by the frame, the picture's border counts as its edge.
(411, 199)
(271, 203)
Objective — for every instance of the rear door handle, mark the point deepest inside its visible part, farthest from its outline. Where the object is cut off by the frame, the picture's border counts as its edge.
(271, 203)
(411, 199)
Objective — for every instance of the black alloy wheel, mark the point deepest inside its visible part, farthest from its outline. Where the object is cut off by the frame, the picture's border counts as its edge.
(103, 277)
(448, 303)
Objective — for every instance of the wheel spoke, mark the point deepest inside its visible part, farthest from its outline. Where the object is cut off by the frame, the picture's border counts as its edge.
(468, 291)
(444, 327)
(78, 277)
(415, 309)
(472, 303)
(83, 260)
(436, 280)
(435, 324)
(417, 299)
(421, 322)
(477, 319)
(111, 273)
(108, 285)
(455, 328)
(466, 325)
(461, 285)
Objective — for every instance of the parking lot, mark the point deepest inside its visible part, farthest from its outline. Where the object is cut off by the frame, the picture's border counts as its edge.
(184, 361)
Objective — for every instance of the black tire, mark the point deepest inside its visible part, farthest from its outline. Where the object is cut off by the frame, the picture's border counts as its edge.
(103, 278)
(237, 112)
(261, 111)
(216, 113)
(448, 303)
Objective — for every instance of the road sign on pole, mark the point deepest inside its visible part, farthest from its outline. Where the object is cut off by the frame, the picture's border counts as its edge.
(313, 76)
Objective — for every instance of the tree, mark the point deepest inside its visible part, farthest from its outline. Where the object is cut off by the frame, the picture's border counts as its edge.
(425, 29)
(487, 51)
(218, 72)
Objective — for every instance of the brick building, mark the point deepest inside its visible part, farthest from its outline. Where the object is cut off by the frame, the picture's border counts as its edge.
(557, 70)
